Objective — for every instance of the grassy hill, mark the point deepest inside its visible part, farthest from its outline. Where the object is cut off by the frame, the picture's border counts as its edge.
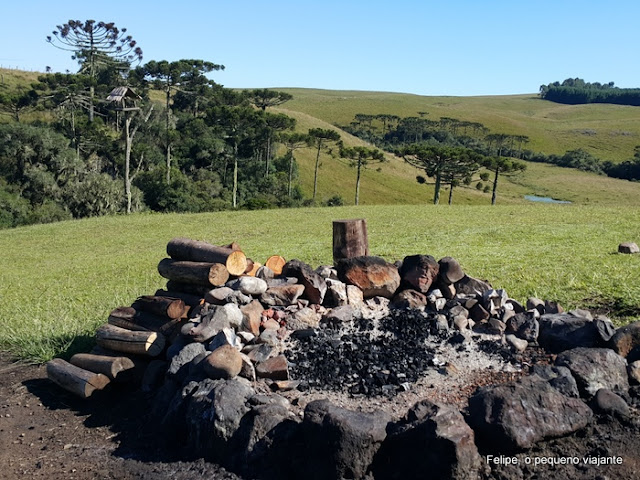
(59, 281)
(609, 132)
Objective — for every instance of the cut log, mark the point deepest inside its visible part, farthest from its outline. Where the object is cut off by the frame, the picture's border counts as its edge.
(254, 269)
(231, 246)
(350, 239)
(249, 266)
(188, 288)
(196, 251)
(275, 263)
(132, 319)
(198, 273)
(112, 367)
(128, 341)
(74, 379)
(189, 299)
(162, 306)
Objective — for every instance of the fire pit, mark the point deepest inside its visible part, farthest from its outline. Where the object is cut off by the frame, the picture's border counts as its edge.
(364, 368)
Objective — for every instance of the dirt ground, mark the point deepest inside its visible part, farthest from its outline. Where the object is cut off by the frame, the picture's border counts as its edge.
(47, 433)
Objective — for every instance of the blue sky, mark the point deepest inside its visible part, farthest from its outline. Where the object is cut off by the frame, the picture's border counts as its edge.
(455, 47)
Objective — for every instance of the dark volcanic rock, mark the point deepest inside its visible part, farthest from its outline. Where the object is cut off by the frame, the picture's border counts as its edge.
(340, 443)
(471, 286)
(409, 299)
(559, 378)
(607, 402)
(373, 275)
(524, 326)
(450, 270)
(564, 331)
(432, 441)
(517, 415)
(282, 295)
(419, 271)
(626, 341)
(595, 368)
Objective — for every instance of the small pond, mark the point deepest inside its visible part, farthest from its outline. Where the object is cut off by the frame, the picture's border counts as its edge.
(535, 198)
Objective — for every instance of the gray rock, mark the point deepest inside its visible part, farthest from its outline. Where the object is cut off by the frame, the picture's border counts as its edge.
(471, 286)
(496, 326)
(283, 295)
(552, 307)
(213, 410)
(516, 415)
(327, 272)
(265, 273)
(336, 295)
(460, 322)
(607, 402)
(249, 285)
(449, 270)
(341, 315)
(180, 342)
(432, 441)
(355, 297)
(247, 370)
(275, 368)
(252, 317)
(340, 443)
(269, 337)
(304, 318)
(564, 331)
(226, 336)
(605, 327)
(217, 318)
(494, 300)
(239, 298)
(153, 376)
(409, 299)
(536, 303)
(315, 286)
(441, 323)
(259, 353)
(626, 341)
(515, 306)
(518, 344)
(634, 372)
(628, 247)
(524, 326)
(179, 365)
(559, 378)
(478, 313)
(595, 368)
(218, 296)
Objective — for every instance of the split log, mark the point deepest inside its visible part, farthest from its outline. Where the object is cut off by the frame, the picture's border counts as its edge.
(132, 319)
(74, 379)
(196, 251)
(275, 263)
(112, 367)
(189, 299)
(350, 239)
(188, 288)
(128, 341)
(162, 306)
(198, 273)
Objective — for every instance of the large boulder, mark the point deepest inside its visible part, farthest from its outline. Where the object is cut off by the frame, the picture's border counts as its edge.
(595, 368)
(223, 362)
(418, 272)
(373, 275)
(430, 438)
(516, 415)
(471, 286)
(283, 295)
(449, 270)
(340, 443)
(564, 331)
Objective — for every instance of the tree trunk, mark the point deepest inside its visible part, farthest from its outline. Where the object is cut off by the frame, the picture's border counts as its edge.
(168, 179)
(350, 239)
(74, 379)
(235, 176)
(196, 251)
(290, 174)
(358, 182)
(315, 174)
(92, 94)
(167, 106)
(495, 187)
(436, 193)
(268, 155)
(112, 367)
(127, 161)
(139, 343)
(197, 273)
(450, 193)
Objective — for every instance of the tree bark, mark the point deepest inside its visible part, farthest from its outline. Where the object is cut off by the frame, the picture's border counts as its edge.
(350, 239)
(74, 379)
(196, 251)
(495, 187)
(235, 175)
(358, 182)
(127, 161)
(436, 193)
(132, 319)
(111, 367)
(139, 343)
(315, 175)
(198, 273)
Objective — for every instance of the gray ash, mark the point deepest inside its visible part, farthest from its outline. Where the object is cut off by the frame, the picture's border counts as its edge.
(372, 358)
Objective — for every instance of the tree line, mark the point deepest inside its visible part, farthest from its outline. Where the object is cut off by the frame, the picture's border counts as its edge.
(575, 91)
(120, 137)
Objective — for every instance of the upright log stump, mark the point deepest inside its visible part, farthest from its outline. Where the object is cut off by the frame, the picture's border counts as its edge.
(350, 239)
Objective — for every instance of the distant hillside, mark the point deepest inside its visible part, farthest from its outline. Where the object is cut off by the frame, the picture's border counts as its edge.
(610, 132)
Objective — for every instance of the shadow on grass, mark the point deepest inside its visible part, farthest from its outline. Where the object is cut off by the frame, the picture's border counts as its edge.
(621, 309)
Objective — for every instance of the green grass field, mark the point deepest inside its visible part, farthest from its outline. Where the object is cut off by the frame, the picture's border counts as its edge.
(60, 281)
